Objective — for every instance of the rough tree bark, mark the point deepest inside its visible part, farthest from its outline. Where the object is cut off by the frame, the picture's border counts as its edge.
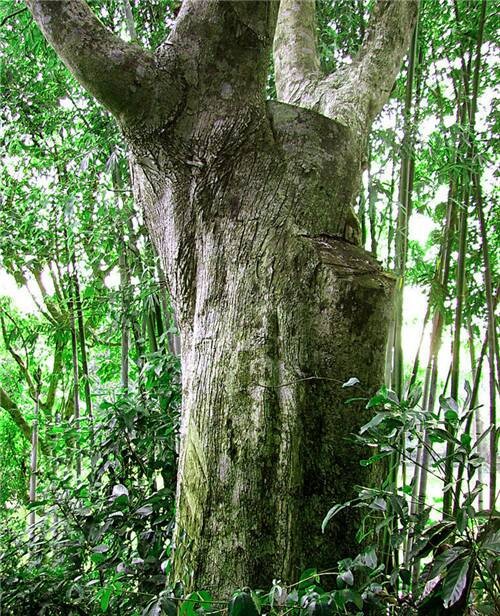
(248, 203)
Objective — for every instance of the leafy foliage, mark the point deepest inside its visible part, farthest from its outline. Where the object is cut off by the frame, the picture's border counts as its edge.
(101, 544)
(460, 552)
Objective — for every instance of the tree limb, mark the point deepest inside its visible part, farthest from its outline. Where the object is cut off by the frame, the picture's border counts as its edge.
(386, 43)
(355, 93)
(122, 76)
(224, 44)
(49, 303)
(129, 20)
(10, 406)
(295, 52)
(19, 360)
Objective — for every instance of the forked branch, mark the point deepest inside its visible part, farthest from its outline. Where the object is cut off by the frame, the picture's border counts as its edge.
(122, 76)
(355, 93)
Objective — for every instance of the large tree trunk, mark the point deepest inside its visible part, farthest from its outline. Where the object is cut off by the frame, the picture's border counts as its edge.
(277, 307)
(249, 206)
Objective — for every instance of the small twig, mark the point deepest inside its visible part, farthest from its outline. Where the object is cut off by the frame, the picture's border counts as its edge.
(185, 600)
(312, 576)
(7, 17)
(307, 378)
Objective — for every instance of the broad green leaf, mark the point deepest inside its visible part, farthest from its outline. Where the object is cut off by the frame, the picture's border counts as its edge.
(242, 604)
(187, 607)
(105, 597)
(378, 504)
(354, 597)
(445, 559)
(308, 577)
(144, 511)
(368, 558)
(455, 582)
(347, 577)
(374, 422)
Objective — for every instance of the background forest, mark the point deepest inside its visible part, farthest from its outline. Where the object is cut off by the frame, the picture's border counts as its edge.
(89, 354)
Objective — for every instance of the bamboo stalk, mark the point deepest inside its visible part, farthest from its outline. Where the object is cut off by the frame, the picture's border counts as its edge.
(125, 341)
(81, 336)
(404, 213)
(469, 107)
(74, 358)
(34, 466)
(491, 333)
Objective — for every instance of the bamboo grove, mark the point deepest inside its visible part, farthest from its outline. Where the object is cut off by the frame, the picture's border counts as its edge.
(89, 351)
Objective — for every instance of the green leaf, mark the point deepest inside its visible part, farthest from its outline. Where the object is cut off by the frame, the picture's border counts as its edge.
(352, 596)
(466, 440)
(333, 512)
(339, 600)
(368, 558)
(378, 504)
(378, 399)
(144, 511)
(492, 542)
(445, 559)
(97, 558)
(438, 435)
(347, 577)
(242, 604)
(105, 597)
(293, 597)
(187, 607)
(455, 582)
(204, 598)
(168, 606)
(449, 405)
(308, 577)
(322, 606)
(432, 538)
(374, 422)
(351, 382)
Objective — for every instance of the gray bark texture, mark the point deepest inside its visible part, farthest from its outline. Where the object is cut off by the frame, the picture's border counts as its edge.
(248, 203)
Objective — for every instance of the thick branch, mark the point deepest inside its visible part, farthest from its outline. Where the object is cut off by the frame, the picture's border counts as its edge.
(380, 58)
(10, 406)
(122, 76)
(223, 46)
(19, 360)
(354, 94)
(49, 303)
(295, 52)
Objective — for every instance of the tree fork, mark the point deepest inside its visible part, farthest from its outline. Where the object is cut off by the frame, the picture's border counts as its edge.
(249, 205)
